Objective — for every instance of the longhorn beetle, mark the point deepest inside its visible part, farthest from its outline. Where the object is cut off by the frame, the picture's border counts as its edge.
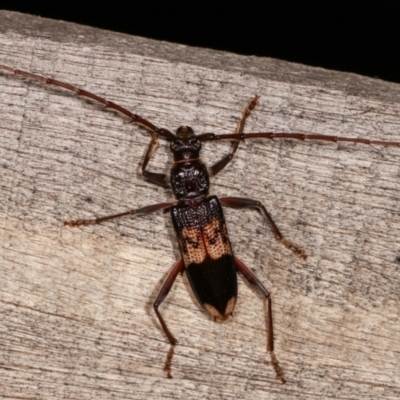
(197, 217)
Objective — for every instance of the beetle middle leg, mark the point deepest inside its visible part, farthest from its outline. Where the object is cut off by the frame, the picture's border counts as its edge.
(140, 211)
(239, 202)
(253, 280)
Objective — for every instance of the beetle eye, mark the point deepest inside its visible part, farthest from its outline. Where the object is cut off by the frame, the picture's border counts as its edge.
(175, 143)
(195, 142)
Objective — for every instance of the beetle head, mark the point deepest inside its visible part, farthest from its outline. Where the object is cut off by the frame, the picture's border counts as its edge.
(185, 145)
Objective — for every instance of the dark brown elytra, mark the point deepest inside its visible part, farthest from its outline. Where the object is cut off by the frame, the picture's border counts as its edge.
(198, 219)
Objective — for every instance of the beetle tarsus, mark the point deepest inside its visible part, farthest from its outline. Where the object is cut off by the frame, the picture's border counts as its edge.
(292, 247)
(278, 370)
(168, 361)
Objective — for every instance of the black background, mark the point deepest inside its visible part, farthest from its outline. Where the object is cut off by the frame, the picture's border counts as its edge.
(353, 36)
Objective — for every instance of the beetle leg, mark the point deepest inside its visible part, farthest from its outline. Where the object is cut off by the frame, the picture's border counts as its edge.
(219, 166)
(140, 211)
(239, 202)
(253, 280)
(158, 179)
(165, 288)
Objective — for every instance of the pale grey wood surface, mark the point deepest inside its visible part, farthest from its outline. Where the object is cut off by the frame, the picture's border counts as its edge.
(76, 318)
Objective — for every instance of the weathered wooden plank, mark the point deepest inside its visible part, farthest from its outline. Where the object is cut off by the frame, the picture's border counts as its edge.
(76, 318)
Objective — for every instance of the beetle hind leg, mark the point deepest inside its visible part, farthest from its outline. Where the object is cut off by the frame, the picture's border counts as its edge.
(165, 288)
(253, 280)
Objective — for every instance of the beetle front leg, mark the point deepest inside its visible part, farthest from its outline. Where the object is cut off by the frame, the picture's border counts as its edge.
(239, 202)
(253, 280)
(158, 179)
(162, 294)
(220, 165)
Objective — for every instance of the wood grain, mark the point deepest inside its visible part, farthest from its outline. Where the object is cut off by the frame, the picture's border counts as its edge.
(76, 318)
